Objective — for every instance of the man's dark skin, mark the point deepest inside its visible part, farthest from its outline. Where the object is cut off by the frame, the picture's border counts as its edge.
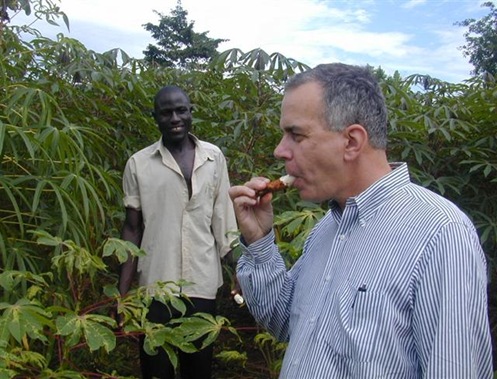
(172, 113)
(174, 120)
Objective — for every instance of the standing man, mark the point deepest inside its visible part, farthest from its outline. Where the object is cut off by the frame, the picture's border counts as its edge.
(392, 280)
(179, 212)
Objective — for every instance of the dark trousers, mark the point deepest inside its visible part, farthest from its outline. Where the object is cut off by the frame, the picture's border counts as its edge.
(191, 366)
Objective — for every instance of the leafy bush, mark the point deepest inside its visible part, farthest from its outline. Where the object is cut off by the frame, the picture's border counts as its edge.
(71, 117)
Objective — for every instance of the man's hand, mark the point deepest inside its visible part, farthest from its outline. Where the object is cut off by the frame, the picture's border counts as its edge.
(254, 214)
(236, 292)
(230, 264)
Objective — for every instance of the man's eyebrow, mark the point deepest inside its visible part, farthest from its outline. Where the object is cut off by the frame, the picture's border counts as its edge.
(174, 108)
(291, 128)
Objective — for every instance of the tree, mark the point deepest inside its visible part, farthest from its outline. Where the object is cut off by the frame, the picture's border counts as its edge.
(178, 45)
(481, 41)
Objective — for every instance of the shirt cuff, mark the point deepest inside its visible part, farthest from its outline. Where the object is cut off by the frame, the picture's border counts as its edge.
(261, 250)
(132, 202)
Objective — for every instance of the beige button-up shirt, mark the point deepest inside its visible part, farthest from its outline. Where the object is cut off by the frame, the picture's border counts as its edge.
(184, 238)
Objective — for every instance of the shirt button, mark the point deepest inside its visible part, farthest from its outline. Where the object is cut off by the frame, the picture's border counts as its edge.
(341, 237)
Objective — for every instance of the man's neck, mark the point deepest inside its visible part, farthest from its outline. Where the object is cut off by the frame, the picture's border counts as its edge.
(180, 146)
(366, 171)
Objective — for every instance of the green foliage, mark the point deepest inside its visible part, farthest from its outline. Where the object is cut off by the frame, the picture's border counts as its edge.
(203, 326)
(90, 327)
(481, 41)
(122, 249)
(178, 45)
(23, 319)
(233, 356)
(48, 326)
(41, 9)
(293, 227)
(272, 351)
(70, 118)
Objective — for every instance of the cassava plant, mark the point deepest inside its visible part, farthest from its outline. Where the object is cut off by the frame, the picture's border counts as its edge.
(59, 325)
(71, 117)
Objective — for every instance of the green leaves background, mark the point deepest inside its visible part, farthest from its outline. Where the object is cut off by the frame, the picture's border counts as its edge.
(69, 119)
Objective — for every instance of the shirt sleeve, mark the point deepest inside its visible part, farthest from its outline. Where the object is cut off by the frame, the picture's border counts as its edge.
(130, 186)
(450, 319)
(224, 224)
(266, 285)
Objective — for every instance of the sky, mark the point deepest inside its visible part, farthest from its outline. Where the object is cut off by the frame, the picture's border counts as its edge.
(408, 36)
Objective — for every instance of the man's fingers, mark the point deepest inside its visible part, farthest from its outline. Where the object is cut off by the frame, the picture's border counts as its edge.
(249, 189)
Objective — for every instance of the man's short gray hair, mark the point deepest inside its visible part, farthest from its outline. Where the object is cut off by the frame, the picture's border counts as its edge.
(352, 95)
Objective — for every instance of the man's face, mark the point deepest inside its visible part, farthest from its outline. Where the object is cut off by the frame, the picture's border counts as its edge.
(173, 116)
(312, 152)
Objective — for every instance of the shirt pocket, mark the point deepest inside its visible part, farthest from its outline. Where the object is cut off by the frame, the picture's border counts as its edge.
(202, 201)
(357, 316)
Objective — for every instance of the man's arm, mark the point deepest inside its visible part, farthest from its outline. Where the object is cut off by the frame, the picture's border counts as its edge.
(450, 320)
(261, 271)
(133, 232)
(267, 285)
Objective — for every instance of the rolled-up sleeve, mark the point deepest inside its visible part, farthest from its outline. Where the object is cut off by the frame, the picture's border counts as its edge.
(224, 224)
(130, 186)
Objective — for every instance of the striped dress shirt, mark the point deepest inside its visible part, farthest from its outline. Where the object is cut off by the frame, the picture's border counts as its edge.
(392, 286)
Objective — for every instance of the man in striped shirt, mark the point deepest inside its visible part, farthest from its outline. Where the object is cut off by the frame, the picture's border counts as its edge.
(392, 280)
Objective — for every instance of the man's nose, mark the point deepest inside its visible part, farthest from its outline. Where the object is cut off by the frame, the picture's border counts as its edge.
(174, 116)
(280, 151)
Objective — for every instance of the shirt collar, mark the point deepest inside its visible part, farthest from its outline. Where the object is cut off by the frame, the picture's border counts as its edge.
(368, 201)
(200, 153)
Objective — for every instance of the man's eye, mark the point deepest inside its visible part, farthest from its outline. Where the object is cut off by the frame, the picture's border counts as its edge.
(179, 111)
(297, 137)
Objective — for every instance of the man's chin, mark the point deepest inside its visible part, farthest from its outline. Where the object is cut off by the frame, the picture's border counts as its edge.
(176, 137)
(313, 198)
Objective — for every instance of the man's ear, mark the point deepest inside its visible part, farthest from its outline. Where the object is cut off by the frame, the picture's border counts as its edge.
(357, 139)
